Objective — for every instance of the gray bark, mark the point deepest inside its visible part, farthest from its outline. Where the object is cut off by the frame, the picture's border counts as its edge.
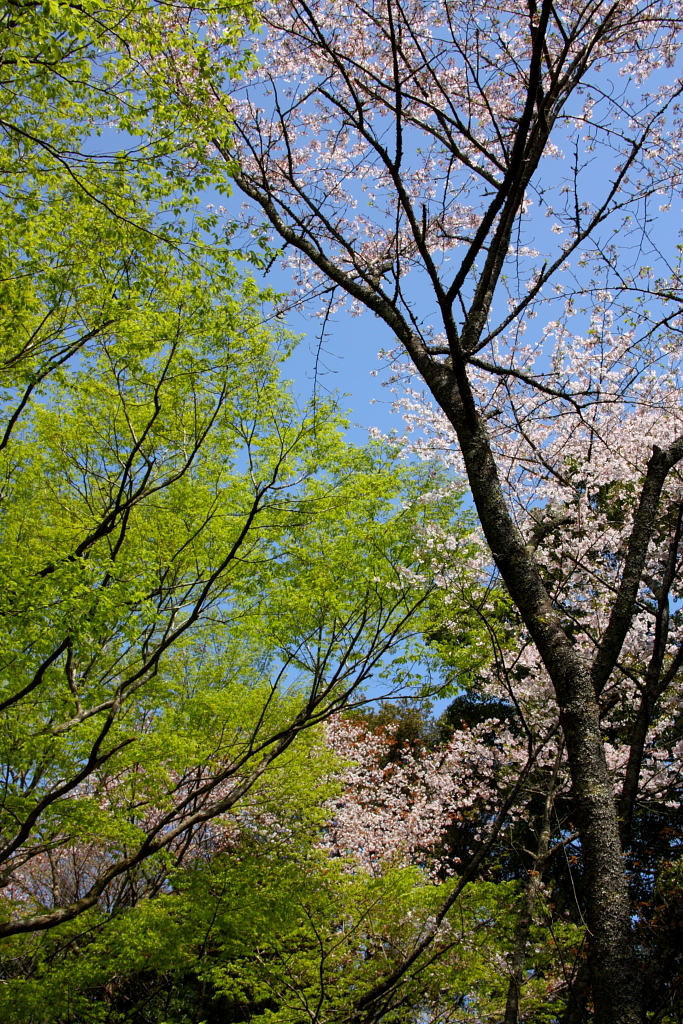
(614, 969)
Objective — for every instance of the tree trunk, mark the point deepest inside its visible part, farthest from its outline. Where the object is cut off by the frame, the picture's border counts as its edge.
(654, 687)
(614, 968)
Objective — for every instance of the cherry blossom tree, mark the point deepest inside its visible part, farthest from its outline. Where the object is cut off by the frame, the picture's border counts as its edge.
(404, 803)
(408, 155)
(399, 808)
(578, 510)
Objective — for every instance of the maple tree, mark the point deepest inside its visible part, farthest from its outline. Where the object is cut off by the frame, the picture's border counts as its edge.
(169, 620)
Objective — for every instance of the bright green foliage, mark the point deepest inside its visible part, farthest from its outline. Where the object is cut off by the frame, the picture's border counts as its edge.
(279, 933)
(85, 95)
(195, 571)
(93, 172)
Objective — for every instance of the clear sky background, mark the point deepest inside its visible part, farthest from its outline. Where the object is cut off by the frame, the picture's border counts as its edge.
(343, 362)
